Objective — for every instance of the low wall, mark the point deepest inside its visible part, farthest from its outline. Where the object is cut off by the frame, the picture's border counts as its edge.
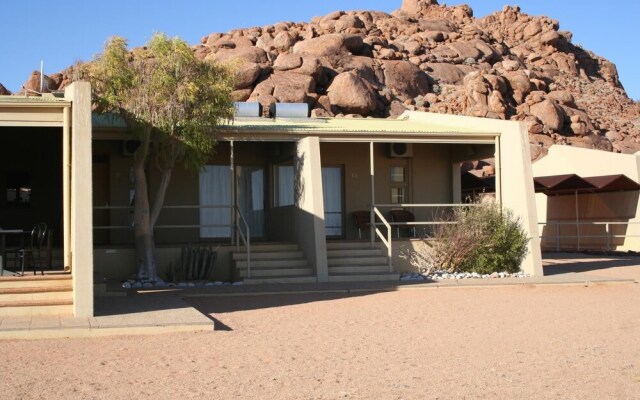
(120, 263)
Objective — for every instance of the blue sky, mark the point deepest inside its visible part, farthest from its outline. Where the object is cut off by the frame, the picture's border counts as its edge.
(63, 31)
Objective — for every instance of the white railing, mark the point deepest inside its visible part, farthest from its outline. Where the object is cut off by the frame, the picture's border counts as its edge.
(608, 236)
(387, 241)
(245, 239)
(381, 220)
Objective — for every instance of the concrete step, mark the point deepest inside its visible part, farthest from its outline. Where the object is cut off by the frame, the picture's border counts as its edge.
(35, 281)
(358, 269)
(269, 255)
(277, 272)
(351, 245)
(287, 279)
(379, 260)
(256, 264)
(354, 253)
(36, 307)
(36, 293)
(270, 247)
(374, 277)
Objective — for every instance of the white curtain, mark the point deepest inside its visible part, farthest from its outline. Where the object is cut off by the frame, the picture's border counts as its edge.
(215, 190)
(286, 181)
(332, 197)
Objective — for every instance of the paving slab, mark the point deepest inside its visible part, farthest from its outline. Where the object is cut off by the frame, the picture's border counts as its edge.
(145, 313)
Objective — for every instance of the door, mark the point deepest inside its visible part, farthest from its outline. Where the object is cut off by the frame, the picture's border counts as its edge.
(332, 184)
(250, 198)
(215, 202)
(101, 217)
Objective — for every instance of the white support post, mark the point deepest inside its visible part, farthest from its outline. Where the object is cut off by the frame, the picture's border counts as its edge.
(372, 217)
(498, 170)
(81, 199)
(233, 209)
(66, 189)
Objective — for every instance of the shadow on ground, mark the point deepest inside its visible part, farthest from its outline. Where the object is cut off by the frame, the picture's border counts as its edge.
(565, 263)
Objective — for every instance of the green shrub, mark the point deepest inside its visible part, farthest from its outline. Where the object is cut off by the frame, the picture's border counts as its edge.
(483, 239)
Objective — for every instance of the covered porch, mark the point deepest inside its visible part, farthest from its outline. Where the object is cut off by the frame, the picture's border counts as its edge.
(339, 176)
(43, 183)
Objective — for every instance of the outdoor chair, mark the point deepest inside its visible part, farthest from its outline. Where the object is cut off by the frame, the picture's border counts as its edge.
(362, 219)
(401, 216)
(37, 254)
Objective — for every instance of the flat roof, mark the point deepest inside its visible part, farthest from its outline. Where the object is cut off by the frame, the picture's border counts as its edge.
(343, 125)
(13, 99)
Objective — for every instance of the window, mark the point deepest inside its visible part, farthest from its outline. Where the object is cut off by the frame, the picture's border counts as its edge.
(18, 189)
(284, 184)
(399, 185)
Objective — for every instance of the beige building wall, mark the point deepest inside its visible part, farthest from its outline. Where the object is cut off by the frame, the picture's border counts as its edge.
(619, 206)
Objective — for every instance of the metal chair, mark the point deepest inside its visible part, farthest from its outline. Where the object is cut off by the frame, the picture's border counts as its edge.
(363, 220)
(38, 253)
(403, 216)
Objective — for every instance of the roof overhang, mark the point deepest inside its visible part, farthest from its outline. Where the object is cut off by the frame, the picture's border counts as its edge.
(24, 111)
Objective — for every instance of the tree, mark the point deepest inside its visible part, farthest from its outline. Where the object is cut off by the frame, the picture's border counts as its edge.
(172, 102)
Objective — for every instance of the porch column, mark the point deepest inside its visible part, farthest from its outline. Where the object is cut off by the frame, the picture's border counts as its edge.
(309, 199)
(66, 189)
(232, 171)
(520, 197)
(372, 217)
(457, 184)
(81, 227)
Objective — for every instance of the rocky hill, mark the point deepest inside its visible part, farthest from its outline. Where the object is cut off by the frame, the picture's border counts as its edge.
(429, 57)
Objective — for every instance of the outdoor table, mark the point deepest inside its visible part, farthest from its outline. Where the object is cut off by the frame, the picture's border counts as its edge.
(3, 234)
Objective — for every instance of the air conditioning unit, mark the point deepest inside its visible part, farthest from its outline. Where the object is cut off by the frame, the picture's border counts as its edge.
(129, 147)
(400, 150)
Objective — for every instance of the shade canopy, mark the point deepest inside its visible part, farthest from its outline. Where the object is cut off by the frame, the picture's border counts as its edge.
(555, 185)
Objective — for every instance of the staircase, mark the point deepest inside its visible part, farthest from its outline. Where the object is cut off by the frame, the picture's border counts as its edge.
(50, 294)
(357, 262)
(274, 263)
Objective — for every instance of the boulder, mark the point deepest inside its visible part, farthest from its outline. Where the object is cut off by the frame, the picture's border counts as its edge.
(562, 97)
(33, 84)
(248, 54)
(549, 113)
(446, 73)
(352, 94)
(290, 87)
(284, 41)
(326, 45)
(405, 80)
(4, 91)
(246, 74)
(285, 62)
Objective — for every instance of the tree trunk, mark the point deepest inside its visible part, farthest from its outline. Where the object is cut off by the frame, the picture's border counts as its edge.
(158, 199)
(145, 245)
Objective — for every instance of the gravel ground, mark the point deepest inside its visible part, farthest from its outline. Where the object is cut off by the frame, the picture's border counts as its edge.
(519, 342)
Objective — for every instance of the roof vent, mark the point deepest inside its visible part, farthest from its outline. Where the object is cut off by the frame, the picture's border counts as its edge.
(290, 110)
(248, 110)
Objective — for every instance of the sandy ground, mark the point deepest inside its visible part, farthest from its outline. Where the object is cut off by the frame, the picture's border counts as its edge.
(524, 342)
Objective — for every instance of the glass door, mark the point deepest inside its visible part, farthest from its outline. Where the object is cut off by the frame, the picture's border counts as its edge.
(215, 202)
(333, 204)
(250, 198)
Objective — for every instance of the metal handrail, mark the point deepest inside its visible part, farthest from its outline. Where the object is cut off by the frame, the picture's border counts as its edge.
(608, 235)
(246, 240)
(425, 223)
(386, 242)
